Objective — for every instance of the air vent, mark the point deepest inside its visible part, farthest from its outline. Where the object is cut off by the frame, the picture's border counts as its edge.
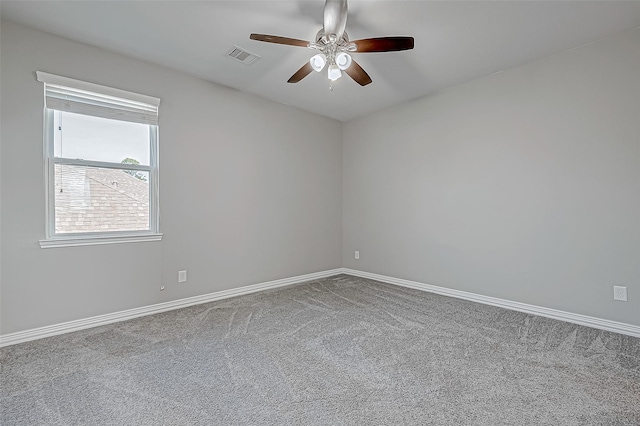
(241, 55)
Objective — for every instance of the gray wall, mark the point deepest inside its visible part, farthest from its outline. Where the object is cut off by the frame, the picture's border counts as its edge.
(251, 190)
(523, 185)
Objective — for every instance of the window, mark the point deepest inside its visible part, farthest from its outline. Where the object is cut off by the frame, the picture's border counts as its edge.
(101, 164)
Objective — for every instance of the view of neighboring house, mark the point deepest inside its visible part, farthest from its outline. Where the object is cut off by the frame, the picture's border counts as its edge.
(90, 199)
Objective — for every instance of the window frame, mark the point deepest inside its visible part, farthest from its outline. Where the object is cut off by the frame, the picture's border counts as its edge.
(53, 239)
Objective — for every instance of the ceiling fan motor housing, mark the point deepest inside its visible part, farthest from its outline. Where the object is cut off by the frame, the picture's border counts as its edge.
(333, 46)
(335, 18)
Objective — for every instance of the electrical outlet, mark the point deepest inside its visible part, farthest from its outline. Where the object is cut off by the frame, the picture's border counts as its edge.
(619, 293)
(357, 254)
(182, 276)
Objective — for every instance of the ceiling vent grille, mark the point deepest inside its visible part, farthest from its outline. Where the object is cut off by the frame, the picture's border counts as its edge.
(241, 55)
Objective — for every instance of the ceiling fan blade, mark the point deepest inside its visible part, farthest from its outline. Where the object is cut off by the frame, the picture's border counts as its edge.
(301, 73)
(383, 44)
(356, 72)
(279, 40)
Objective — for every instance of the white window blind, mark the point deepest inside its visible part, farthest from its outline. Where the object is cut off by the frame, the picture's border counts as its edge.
(81, 97)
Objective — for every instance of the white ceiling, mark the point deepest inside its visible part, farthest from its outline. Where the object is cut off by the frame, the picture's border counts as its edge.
(455, 41)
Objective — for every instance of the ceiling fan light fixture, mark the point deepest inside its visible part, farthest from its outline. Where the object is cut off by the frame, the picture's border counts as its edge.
(334, 72)
(333, 46)
(318, 62)
(343, 60)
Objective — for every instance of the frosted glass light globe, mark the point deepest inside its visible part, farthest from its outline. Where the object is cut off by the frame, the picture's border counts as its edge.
(318, 62)
(334, 72)
(343, 60)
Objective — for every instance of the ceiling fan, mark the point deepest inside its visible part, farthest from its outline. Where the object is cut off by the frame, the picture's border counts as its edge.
(334, 47)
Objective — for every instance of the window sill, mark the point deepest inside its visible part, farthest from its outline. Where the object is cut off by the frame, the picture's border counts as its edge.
(96, 240)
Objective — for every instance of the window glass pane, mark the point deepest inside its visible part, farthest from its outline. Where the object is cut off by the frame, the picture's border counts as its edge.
(100, 139)
(92, 199)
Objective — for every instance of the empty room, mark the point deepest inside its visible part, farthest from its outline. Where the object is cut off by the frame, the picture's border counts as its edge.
(320, 212)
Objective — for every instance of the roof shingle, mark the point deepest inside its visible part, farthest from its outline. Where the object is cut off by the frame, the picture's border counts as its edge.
(90, 199)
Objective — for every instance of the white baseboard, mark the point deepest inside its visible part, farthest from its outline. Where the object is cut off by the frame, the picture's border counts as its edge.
(68, 327)
(81, 324)
(599, 323)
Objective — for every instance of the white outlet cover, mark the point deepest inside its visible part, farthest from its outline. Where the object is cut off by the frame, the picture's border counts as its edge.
(357, 255)
(619, 293)
(182, 276)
